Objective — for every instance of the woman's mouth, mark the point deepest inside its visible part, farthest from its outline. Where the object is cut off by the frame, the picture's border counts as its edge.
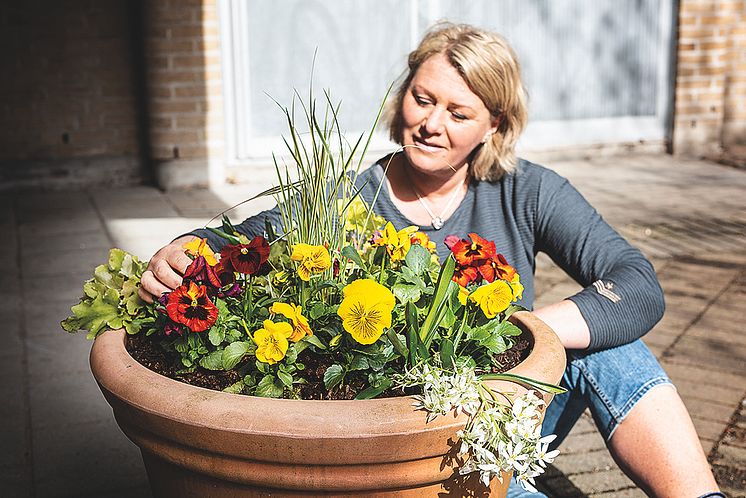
(426, 146)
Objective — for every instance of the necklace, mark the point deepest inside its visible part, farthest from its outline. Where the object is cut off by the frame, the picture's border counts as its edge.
(437, 221)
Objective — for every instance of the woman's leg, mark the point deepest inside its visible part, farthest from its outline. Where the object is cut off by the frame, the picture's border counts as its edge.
(640, 416)
(657, 446)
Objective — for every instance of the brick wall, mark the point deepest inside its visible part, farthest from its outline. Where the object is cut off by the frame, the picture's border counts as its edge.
(710, 100)
(734, 113)
(68, 108)
(184, 88)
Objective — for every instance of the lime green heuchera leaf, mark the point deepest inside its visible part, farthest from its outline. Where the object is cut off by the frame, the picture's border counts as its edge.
(116, 256)
(110, 299)
(94, 316)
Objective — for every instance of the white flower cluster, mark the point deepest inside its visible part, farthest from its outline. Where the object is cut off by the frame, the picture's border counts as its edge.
(443, 391)
(501, 438)
(498, 437)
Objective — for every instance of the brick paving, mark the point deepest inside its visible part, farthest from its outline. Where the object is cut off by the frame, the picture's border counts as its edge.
(60, 440)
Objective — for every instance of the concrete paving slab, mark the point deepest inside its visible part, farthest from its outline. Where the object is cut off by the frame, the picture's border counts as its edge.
(620, 493)
(60, 222)
(64, 262)
(39, 244)
(144, 236)
(66, 464)
(10, 334)
(56, 355)
(607, 481)
(65, 288)
(16, 481)
(15, 428)
(588, 461)
(46, 320)
(133, 203)
(580, 443)
(74, 398)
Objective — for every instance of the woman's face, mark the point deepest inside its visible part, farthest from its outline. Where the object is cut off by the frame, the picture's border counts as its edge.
(442, 118)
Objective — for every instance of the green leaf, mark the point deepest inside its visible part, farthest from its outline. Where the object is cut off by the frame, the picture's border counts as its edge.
(92, 289)
(446, 353)
(230, 238)
(372, 392)
(132, 328)
(513, 308)
(520, 379)
(359, 362)
(71, 324)
(213, 361)
(335, 340)
(333, 376)
(406, 293)
(312, 339)
(131, 267)
(439, 300)
(236, 388)
(216, 335)
(102, 275)
(269, 387)
(507, 328)
(417, 258)
(116, 256)
(351, 253)
(94, 316)
(317, 310)
(397, 343)
(285, 378)
(235, 352)
(413, 339)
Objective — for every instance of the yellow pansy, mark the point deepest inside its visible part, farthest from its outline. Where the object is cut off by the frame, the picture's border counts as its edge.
(366, 310)
(397, 243)
(293, 313)
(272, 341)
(311, 259)
(199, 247)
(517, 287)
(493, 298)
(463, 293)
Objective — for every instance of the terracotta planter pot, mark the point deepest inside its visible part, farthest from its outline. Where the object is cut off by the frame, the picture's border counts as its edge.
(197, 442)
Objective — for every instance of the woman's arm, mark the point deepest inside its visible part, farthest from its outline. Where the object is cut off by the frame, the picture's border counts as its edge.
(567, 322)
(622, 299)
(168, 264)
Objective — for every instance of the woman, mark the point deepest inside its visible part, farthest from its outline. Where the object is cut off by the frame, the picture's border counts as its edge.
(458, 115)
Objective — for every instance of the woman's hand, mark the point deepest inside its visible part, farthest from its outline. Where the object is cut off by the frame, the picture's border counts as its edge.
(165, 269)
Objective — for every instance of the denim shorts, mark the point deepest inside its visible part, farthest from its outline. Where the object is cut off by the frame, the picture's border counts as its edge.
(608, 383)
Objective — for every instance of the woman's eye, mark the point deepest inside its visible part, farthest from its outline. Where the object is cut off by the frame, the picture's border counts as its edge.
(421, 100)
(458, 116)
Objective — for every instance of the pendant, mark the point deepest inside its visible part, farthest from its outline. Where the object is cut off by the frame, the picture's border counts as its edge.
(437, 222)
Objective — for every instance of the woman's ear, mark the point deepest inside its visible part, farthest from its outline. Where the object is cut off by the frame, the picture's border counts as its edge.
(494, 124)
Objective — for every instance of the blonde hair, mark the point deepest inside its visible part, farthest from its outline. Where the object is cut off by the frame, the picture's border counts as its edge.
(490, 67)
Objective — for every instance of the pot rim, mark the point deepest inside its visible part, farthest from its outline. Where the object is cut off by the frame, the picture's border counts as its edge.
(132, 382)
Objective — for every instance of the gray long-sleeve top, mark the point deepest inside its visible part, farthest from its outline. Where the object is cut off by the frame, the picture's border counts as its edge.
(529, 211)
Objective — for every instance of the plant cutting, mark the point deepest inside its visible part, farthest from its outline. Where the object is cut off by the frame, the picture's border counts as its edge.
(336, 303)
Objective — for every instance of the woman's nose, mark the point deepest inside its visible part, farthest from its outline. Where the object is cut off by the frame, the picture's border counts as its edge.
(434, 121)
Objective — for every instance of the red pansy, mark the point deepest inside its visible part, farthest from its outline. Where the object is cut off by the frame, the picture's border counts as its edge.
(473, 251)
(464, 275)
(201, 272)
(190, 306)
(246, 258)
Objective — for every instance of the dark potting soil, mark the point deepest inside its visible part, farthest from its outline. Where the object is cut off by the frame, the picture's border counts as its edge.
(149, 354)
